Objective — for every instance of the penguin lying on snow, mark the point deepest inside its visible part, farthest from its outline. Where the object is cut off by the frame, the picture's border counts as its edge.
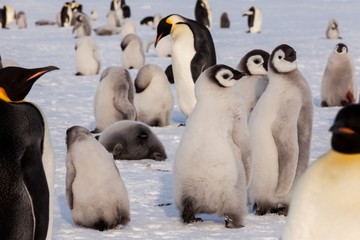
(338, 84)
(132, 140)
(280, 127)
(200, 184)
(325, 203)
(26, 159)
(105, 204)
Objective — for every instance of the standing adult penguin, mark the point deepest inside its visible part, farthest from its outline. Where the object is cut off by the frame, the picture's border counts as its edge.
(332, 30)
(254, 19)
(66, 15)
(338, 84)
(200, 184)
(280, 127)
(114, 98)
(87, 56)
(203, 13)
(153, 99)
(252, 86)
(328, 190)
(26, 159)
(193, 51)
(133, 55)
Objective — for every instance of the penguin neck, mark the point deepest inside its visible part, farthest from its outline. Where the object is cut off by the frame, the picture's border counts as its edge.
(5, 97)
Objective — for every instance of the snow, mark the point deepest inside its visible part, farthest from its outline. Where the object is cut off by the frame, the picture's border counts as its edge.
(67, 99)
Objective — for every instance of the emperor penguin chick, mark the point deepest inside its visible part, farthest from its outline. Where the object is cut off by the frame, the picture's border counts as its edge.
(251, 87)
(280, 127)
(338, 84)
(133, 55)
(82, 25)
(114, 98)
(105, 204)
(327, 191)
(332, 30)
(200, 186)
(193, 51)
(87, 56)
(153, 99)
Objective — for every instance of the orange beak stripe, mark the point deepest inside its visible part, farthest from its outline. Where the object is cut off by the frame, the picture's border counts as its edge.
(36, 75)
(346, 130)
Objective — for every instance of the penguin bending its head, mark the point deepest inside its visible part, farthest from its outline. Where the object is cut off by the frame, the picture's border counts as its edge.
(133, 54)
(193, 51)
(254, 19)
(328, 188)
(338, 84)
(332, 30)
(200, 186)
(251, 87)
(26, 159)
(281, 127)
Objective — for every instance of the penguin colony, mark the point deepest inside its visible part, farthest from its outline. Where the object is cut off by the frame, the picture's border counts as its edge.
(267, 148)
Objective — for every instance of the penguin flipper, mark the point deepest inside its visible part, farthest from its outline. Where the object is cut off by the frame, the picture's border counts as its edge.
(287, 147)
(70, 177)
(122, 103)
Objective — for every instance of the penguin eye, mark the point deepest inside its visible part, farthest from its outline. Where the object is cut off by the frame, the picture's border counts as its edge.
(226, 75)
(280, 57)
(257, 61)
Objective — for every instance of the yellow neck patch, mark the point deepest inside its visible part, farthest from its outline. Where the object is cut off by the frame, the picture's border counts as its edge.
(5, 97)
(169, 21)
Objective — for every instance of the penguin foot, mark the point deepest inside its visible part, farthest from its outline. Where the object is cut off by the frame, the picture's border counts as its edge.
(182, 125)
(261, 209)
(231, 223)
(78, 74)
(324, 104)
(188, 213)
(281, 209)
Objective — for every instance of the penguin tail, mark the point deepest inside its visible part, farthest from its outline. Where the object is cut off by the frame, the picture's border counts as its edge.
(101, 225)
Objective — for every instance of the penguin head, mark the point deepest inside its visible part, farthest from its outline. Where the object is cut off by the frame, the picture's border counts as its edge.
(223, 75)
(341, 48)
(165, 25)
(346, 130)
(16, 82)
(254, 62)
(283, 59)
(76, 133)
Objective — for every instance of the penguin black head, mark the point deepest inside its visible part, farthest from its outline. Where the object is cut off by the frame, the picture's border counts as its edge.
(341, 48)
(224, 75)
(283, 59)
(165, 25)
(16, 82)
(346, 130)
(255, 62)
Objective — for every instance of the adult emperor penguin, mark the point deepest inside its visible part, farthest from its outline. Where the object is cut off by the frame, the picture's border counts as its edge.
(114, 98)
(87, 56)
(200, 186)
(133, 55)
(338, 84)
(280, 127)
(203, 13)
(252, 86)
(254, 19)
(153, 99)
(82, 25)
(193, 51)
(26, 159)
(332, 30)
(325, 200)
(66, 15)
(105, 204)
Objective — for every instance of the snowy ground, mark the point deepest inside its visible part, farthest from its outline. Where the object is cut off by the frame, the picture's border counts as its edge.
(67, 99)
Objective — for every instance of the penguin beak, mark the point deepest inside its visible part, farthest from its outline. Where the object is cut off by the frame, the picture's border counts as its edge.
(238, 75)
(41, 71)
(160, 36)
(163, 29)
(339, 128)
(290, 55)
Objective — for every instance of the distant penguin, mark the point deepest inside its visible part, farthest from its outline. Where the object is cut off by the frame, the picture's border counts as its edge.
(114, 98)
(87, 56)
(325, 200)
(128, 27)
(107, 30)
(152, 21)
(113, 19)
(115, 4)
(203, 13)
(44, 22)
(66, 15)
(27, 171)
(332, 30)
(153, 99)
(193, 51)
(254, 19)
(126, 11)
(10, 14)
(280, 134)
(3, 17)
(200, 185)
(82, 26)
(132, 140)
(21, 20)
(224, 20)
(252, 86)
(94, 15)
(338, 84)
(105, 204)
(133, 55)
